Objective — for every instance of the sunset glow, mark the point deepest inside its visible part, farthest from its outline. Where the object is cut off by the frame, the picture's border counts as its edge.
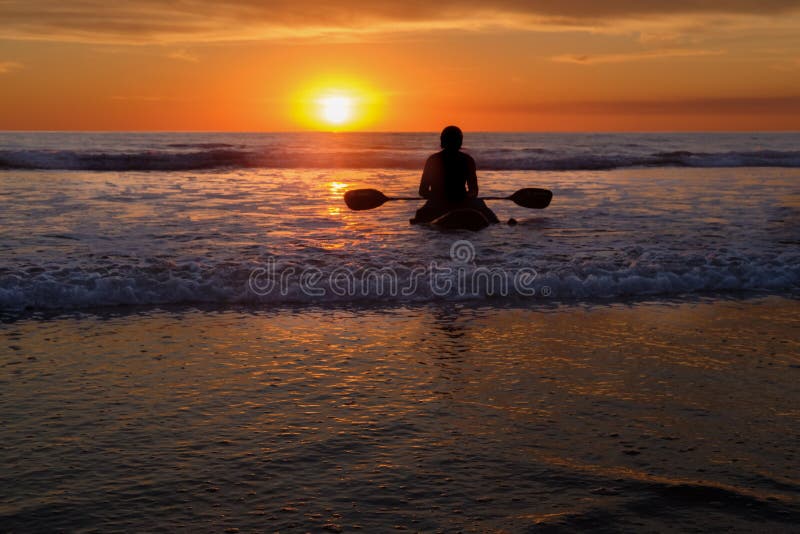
(507, 66)
(368, 266)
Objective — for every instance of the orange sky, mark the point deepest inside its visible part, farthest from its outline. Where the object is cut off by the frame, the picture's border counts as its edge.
(534, 65)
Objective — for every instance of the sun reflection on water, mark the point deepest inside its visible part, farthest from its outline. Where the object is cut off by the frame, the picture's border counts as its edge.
(337, 188)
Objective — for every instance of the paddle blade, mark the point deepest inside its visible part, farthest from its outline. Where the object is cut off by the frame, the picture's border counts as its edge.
(532, 197)
(364, 199)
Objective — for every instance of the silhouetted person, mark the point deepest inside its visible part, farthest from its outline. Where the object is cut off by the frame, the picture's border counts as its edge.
(449, 181)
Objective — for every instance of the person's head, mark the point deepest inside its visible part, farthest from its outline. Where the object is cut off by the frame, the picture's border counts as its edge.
(452, 138)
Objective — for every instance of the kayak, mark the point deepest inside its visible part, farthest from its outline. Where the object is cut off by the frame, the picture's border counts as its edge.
(473, 214)
(460, 219)
(366, 199)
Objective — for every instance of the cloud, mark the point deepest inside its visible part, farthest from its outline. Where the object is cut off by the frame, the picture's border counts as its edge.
(183, 55)
(149, 98)
(153, 21)
(690, 106)
(787, 65)
(127, 98)
(8, 66)
(633, 56)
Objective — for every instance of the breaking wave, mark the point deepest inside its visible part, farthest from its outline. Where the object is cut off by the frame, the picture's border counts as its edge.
(202, 156)
(159, 282)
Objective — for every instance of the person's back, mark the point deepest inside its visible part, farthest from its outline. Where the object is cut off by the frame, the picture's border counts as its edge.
(449, 176)
(450, 181)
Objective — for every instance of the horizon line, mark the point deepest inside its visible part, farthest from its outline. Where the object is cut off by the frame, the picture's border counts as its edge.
(294, 132)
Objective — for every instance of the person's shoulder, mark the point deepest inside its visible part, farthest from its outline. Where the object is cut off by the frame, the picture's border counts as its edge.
(435, 157)
(433, 163)
(469, 159)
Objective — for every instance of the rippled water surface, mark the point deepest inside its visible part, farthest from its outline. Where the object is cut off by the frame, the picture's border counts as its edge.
(80, 239)
(654, 416)
(643, 375)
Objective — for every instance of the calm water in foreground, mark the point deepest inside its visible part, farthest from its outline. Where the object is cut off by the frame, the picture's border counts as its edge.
(662, 415)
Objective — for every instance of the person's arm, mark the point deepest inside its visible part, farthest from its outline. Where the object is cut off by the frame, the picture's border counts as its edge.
(472, 178)
(425, 182)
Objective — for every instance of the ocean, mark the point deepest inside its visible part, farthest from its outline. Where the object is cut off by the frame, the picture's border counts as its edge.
(196, 334)
(95, 220)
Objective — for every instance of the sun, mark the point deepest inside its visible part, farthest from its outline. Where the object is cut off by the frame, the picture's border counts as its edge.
(336, 104)
(336, 110)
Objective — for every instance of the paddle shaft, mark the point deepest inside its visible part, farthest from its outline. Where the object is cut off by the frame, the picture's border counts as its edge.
(367, 199)
(421, 198)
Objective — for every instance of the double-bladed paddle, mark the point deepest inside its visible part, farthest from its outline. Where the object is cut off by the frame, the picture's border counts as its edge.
(366, 199)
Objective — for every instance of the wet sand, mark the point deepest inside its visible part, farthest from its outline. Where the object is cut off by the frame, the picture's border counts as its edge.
(654, 415)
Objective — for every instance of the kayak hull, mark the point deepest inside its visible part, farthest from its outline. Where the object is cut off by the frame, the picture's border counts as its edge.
(462, 219)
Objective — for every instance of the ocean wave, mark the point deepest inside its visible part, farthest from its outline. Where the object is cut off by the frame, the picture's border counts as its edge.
(220, 155)
(200, 145)
(135, 161)
(166, 282)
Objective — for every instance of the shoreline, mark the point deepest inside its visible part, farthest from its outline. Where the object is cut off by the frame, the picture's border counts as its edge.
(368, 305)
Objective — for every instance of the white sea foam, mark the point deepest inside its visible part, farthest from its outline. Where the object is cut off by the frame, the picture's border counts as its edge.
(79, 288)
